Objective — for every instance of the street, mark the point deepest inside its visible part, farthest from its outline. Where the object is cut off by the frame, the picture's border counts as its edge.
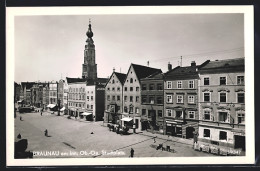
(69, 138)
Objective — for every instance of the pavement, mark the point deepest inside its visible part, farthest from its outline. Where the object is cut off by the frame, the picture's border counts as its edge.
(70, 138)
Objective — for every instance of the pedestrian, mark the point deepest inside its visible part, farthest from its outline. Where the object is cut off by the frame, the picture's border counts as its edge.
(19, 136)
(132, 152)
(21, 118)
(195, 139)
(154, 141)
(41, 113)
(46, 132)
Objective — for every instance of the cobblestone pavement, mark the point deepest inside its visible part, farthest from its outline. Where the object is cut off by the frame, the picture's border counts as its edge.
(70, 138)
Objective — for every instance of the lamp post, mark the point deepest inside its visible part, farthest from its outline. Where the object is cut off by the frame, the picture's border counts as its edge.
(58, 107)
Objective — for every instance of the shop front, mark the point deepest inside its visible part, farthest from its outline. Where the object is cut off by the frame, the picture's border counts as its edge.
(174, 128)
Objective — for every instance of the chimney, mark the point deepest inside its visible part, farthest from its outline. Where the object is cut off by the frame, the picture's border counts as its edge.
(193, 63)
(169, 66)
(113, 69)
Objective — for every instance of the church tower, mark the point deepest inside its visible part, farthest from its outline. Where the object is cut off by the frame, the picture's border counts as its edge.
(89, 68)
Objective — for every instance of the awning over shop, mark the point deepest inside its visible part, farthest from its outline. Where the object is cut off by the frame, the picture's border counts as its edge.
(127, 119)
(62, 109)
(86, 113)
(51, 105)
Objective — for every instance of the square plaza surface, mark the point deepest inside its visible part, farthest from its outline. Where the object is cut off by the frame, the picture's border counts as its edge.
(70, 138)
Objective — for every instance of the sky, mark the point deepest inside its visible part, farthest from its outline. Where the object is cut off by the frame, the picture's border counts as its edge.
(51, 47)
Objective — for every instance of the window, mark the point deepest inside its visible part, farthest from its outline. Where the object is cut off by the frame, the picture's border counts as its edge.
(118, 88)
(131, 109)
(159, 100)
(191, 99)
(131, 80)
(222, 135)
(125, 98)
(191, 84)
(179, 84)
(191, 114)
(118, 108)
(179, 114)
(169, 98)
(223, 117)
(125, 88)
(206, 97)
(125, 109)
(143, 111)
(131, 98)
(113, 88)
(168, 112)
(241, 97)
(131, 88)
(107, 106)
(159, 87)
(222, 80)
(151, 100)
(206, 115)
(240, 80)
(159, 113)
(91, 98)
(144, 99)
(169, 84)
(143, 86)
(137, 88)
(91, 107)
(179, 98)
(113, 98)
(108, 97)
(241, 118)
(108, 89)
(118, 98)
(113, 81)
(137, 98)
(222, 97)
(136, 110)
(151, 87)
(206, 133)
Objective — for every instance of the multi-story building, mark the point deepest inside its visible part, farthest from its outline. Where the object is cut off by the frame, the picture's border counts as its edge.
(114, 98)
(53, 93)
(25, 92)
(61, 92)
(180, 101)
(37, 94)
(132, 93)
(76, 96)
(152, 98)
(17, 90)
(65, 96)
(45, 95)
(222, 103)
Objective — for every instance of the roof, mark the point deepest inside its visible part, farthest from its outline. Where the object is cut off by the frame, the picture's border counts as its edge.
(28, 85)
(180, 73)
(156, 76)
(227, 63)
(144, 71)
(74, 80)
(120, 76)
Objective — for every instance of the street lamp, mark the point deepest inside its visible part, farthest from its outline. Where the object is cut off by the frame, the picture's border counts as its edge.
(58, 107)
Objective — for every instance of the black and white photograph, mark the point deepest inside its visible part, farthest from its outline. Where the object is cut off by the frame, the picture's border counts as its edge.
(130, 85)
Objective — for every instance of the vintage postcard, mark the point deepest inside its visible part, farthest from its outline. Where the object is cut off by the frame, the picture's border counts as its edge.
(130, 85)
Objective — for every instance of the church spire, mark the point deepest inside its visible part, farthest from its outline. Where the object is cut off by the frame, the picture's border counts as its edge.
(89, 33)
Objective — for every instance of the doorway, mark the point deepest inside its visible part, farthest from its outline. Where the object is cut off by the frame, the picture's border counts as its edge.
(240, 142)
(189, 132)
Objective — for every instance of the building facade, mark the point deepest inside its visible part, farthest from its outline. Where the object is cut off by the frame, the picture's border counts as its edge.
(53, 93)
(222, 103)
(61, 92)
(132, 94)
(152, 98)
(114, 98)
(181, 101)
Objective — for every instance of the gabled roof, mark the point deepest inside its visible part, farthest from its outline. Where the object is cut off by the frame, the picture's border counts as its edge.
(180, 73)
(156, 76)
(144, 71)
(120, 76)
(227, 63)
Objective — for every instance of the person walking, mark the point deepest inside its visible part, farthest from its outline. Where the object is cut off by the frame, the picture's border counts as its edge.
(132, 152)
(41, 113)
(46, 132)
(21, 118)
(19, 136)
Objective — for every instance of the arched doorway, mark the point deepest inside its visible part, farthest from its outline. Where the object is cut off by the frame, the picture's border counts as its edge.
(189, 132)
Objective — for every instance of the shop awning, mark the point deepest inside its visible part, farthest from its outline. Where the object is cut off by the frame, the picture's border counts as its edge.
(51, 105)
(86, 113)
(62, 109)
(127, 119)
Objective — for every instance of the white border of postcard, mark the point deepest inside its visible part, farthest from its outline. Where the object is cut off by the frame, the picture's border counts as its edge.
(11, 12)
